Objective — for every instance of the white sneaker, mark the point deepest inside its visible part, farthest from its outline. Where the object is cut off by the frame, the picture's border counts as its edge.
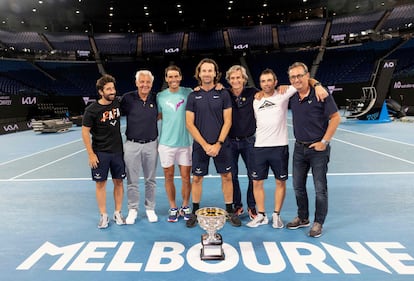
(260, 219)
(132, 216)
(277, 221)
(118, 218)
(103, 221)
(152, 216)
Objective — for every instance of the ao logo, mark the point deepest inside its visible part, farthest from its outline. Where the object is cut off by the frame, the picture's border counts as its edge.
(389, 64)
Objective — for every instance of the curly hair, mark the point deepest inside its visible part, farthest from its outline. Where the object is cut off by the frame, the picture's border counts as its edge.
(105, 79)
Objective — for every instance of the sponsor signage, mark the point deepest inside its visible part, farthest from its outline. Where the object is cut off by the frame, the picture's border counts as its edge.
(403, 85)
(241, 47)
(29, 100)
(12, 127)
(402, 90)
(171, 50)
(5, 100)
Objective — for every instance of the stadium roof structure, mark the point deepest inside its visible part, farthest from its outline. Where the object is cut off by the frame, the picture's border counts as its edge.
(134, 16)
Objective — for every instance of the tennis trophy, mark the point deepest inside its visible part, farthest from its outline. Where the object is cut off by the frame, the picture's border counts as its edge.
(211, 219)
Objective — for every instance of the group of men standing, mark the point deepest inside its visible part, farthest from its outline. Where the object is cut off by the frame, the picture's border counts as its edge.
(213, 122)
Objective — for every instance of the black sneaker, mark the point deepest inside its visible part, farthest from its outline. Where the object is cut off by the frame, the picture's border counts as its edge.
(252, 213)
(234, 219)
(238, 211)
(297, 222)
(192, 221)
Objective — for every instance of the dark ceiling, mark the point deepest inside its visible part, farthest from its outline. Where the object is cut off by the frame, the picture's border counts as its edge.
(169, 15)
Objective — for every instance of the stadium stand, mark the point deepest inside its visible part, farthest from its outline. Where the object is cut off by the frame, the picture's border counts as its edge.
(354, 63)
(158, 43)
(23, 41)
(355, 23)
(205, 41)
(68, 42)
(304, 32)
(404, 56)
(45, 69)
(12, 87)
(257, 37)
(74, 78)
(26, 73)
(116, 43)
(279, 62)
(400, 18)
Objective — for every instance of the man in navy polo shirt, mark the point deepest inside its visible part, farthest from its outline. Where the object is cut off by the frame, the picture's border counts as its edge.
(242, 135)
(314, 124)
(140, 108)
(208, 119)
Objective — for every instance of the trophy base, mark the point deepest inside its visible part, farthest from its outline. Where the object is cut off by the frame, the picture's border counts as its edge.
(212, 250)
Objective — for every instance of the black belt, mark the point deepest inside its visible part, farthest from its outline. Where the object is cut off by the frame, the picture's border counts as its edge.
(305, 143)
(241, 138)
(141, 141)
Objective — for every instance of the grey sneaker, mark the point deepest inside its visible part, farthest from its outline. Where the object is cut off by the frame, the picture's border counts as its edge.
(118, 218)
(260, 219)
(103, 222)
(277, 221)
(316, 230)
(297, 222)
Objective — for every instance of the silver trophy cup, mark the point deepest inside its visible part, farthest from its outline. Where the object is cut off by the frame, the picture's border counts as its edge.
(211, 219)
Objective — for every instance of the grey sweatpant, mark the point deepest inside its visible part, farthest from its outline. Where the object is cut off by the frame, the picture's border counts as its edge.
(141, 157)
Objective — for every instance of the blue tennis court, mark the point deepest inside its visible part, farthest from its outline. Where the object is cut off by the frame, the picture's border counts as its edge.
(47, 201)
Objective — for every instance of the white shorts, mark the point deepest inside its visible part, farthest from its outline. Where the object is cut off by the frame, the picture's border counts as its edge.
(175, 155)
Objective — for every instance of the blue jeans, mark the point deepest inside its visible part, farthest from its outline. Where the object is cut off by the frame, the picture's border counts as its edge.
(304, 159)
(244, 148)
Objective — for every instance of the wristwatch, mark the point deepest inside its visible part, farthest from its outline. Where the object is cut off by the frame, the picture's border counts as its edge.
(316, 84)
(220, 142)
(325, 142)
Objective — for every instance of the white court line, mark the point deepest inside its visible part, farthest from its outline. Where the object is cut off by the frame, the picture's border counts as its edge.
(211, 176)
(376, 151)
(366, 135)
(372, 150)
(45, 150)
(41, 151)
(50, 163)
(376, 137)
(336, 139)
